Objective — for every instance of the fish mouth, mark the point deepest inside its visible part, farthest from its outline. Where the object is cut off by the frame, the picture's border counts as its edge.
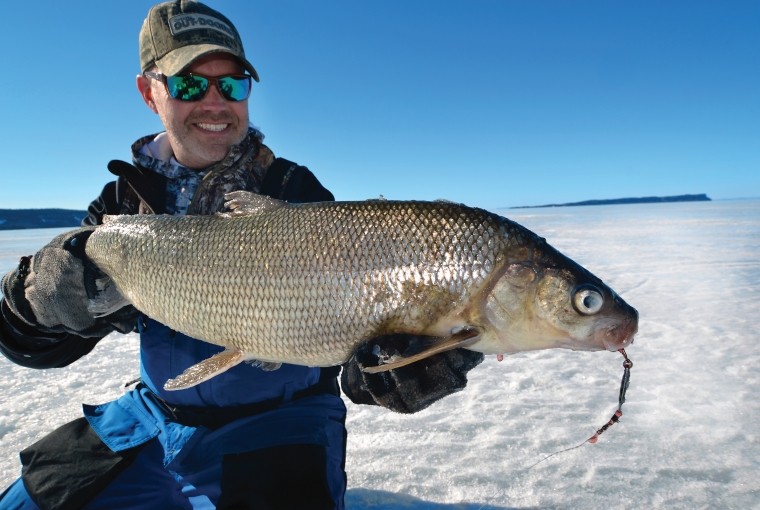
(619, 336)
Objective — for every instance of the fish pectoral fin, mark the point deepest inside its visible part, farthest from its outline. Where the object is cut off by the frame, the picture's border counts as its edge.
(246, 203)
(463, 338)
(108, 300)
(418, 344)
(206, 369)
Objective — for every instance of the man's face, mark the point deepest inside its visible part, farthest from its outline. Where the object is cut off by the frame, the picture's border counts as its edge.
(200, 132)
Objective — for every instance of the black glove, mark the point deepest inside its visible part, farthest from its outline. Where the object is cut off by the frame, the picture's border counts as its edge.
(51, 290)
(410, 388)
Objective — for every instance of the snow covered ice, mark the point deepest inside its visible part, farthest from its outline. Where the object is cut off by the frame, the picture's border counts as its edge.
(689, 436)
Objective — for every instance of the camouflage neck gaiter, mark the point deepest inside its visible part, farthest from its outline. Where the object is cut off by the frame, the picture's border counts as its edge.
(202, 192)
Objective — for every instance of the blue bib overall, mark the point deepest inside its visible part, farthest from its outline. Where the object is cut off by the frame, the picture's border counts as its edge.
(185, 465)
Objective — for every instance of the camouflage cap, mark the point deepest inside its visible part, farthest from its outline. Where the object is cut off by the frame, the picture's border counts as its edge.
(176, 33)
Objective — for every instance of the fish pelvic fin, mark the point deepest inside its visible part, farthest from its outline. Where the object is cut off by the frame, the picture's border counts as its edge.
(205, 370)
(266, 366)
(246, 203)
(108, 300)
(464, 337)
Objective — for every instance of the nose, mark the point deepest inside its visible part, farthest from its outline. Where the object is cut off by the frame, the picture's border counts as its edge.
(213, 101)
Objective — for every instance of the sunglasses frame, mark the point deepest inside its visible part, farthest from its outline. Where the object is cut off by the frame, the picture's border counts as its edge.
(211, 81)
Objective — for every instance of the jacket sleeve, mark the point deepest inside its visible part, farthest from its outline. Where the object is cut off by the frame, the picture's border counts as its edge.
(303, 186)
(23, 344)
(293, 183)
(107, 203)
(28, 348)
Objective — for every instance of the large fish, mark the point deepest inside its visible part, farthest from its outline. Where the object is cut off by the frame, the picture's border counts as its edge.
(306, 283)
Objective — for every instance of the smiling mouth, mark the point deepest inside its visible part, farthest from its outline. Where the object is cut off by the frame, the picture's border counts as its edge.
(212, 127)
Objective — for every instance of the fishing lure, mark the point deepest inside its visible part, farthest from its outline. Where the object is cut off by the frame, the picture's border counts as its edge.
(627, 365)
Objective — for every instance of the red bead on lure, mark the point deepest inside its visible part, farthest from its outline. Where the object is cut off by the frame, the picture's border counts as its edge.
(627, 365)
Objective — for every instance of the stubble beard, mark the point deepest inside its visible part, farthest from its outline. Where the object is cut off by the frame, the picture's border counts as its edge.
(205, 151)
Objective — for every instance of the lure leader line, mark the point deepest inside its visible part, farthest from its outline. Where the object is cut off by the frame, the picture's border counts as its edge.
(627, 365)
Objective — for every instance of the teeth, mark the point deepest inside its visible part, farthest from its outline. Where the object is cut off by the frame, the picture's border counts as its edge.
(213, 127)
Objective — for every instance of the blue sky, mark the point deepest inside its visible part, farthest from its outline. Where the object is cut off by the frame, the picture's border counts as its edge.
(490, 103)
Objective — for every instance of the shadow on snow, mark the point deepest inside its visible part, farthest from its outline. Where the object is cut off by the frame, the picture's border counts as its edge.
(365, 499)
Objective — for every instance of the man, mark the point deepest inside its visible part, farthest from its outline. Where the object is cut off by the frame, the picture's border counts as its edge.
(247, 438)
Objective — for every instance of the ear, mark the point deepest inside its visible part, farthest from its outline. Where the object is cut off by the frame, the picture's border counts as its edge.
(146, 91)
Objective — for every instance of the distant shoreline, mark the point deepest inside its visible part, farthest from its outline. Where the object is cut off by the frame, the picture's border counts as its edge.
(23, 219)
(641, 200)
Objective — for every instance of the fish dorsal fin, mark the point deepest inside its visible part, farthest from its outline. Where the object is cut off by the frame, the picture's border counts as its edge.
(246, 203)
(206, 369)
(462, 338)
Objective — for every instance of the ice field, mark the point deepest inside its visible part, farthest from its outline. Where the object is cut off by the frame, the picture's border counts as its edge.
(690, 434)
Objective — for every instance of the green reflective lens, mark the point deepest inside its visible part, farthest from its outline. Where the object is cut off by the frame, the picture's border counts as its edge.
(235, 88)
(194, 87)
(187, 88)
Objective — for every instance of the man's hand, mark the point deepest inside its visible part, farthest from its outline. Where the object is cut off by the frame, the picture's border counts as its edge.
(410, 388)
(51, 290)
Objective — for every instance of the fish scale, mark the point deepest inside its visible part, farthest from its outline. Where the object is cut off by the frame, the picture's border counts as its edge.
(354, 269)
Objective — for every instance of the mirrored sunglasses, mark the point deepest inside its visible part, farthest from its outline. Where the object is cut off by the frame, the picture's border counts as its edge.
(193, 87)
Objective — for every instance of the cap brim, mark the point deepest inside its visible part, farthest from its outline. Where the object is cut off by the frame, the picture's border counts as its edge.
(175, 61)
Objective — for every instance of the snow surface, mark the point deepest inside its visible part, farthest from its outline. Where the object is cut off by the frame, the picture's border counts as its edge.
(689, 437)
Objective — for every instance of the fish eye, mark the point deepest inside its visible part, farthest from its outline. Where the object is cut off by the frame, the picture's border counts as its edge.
(588, 300)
